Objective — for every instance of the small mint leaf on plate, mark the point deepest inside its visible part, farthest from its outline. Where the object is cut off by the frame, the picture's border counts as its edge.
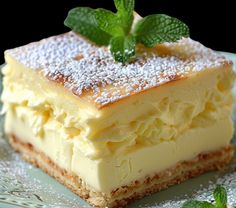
(109, 22)
(82, 20)
(122, 47)
(220, 196)
(197, 204)
(125, 11)
(159, 28)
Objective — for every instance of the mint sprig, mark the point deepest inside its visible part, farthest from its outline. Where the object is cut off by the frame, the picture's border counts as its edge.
(103, 27)
(220, 196)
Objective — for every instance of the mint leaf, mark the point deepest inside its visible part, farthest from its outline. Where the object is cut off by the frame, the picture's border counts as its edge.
(197, 204)
(82, 20)
(109, 22)
(125, 11)
(220, 196)
(159, 28)
(125, 6)
(122, 47)
(117, 24)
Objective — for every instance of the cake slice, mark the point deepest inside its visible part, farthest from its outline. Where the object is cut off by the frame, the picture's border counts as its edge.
(115, 132)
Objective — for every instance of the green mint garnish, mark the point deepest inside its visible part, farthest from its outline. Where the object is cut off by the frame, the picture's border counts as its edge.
(125, 12)
(159, 28)
(220, 196)
(112, 25)
(122, 47)
(104, 27)
(82, 20)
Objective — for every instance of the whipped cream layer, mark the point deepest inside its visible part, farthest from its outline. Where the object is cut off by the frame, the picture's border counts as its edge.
(135, 137)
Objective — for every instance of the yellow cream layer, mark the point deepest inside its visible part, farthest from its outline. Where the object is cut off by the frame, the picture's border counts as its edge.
(149, 118)
(109, 173)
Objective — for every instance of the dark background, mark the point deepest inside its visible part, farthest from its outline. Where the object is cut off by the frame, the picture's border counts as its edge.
(210, 22)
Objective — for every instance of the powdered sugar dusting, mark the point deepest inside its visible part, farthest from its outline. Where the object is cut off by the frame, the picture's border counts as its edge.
(83, 67)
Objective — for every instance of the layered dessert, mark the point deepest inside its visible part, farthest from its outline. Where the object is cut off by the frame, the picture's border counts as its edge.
(114, 132)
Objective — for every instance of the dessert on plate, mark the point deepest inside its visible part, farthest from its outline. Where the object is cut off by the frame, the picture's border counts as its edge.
(114, 132)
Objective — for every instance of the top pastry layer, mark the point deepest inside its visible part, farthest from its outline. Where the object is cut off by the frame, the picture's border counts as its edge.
(90, 72)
